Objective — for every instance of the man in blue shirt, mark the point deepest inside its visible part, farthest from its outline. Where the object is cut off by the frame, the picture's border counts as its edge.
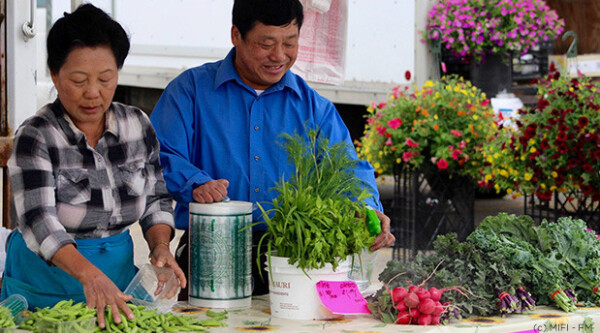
(218, 124)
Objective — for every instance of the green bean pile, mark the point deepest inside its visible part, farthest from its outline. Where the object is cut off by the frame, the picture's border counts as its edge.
(152, 321)
(70, 315)
(63, 317)
(6, 319)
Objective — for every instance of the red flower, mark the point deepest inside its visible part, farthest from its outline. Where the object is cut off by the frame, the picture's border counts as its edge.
(407, 75)
(485, 102)
(456, 133)
(587, 167)
(530, 131)
(442, 164)
(381, 130)
(543, 103)
(395, 123)
(583, 121)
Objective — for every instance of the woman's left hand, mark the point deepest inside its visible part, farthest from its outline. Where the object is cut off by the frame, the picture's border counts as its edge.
(385, 238)
(162, 258)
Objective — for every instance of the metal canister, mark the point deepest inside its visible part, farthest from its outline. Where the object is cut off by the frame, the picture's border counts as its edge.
(220, 254)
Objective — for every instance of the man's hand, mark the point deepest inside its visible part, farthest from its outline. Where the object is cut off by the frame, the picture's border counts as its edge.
(212, 191)
(385, 238)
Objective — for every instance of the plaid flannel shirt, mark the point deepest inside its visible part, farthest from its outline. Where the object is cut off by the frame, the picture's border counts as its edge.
(64, 189)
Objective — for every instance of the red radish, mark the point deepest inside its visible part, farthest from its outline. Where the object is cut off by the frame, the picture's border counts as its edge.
(398, 294)
(414, 313)
(439, 308)
(435, 320)
(403, 318)
(400, 306)
(423, 294)
(424, 320)
(427, 306)
(435, 293)
(412, 289)
(411, 300)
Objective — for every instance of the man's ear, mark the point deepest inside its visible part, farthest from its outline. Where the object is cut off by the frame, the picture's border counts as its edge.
(236, 36)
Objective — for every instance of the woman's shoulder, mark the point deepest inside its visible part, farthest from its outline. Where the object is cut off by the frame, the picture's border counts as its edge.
(42, 120)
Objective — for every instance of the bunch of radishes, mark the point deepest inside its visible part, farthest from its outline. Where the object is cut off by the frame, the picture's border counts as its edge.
(417, 305)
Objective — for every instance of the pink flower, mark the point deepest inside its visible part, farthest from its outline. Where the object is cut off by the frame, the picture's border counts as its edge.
(388, 142)
(381, 130)
(456, 154)
(407, 155)
(462, 144)
(409, 142)
(442, 164)
(395, 123)
(381, 105)
(456, 133)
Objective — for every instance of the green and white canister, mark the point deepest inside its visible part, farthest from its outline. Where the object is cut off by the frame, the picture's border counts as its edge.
(220, 254)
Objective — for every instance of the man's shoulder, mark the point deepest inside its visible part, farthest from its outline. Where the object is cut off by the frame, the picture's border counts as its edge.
(298, 84)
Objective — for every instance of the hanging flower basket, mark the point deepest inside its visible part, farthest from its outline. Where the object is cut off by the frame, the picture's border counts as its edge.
(564, 204)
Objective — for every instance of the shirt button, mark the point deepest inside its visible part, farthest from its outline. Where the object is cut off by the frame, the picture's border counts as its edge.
(256, 158)
(256, 128)
(256, 190)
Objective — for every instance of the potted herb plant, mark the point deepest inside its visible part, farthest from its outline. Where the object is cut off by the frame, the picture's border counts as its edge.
(316, 225)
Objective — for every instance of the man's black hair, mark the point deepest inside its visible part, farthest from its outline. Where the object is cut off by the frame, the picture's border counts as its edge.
(246, 13)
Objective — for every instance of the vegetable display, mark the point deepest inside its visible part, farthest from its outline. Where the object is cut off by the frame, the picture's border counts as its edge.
(319, 214)
(507, 265)
(67, 317)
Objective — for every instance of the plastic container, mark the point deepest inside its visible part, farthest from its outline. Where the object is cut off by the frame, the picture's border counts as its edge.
(293, 294)
(221, 255)
(362, 269)
(144, 285)
(78, 326)
(15, 303)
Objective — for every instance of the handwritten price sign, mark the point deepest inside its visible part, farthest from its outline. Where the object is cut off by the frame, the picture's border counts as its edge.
(342, 297)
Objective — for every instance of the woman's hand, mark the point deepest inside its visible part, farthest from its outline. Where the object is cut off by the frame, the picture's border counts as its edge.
(385, 238)
(162, 258)
(101, 292)
(158, 237)
(98, 289)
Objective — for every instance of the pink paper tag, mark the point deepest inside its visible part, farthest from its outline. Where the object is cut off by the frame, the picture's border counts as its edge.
(342, 297)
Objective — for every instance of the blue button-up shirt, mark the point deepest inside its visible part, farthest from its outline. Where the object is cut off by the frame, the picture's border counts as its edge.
(211, 125)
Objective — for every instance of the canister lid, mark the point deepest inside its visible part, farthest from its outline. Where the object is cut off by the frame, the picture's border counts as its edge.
(221, 208)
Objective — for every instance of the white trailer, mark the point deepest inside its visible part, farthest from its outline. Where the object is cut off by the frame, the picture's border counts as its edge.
(382, 43)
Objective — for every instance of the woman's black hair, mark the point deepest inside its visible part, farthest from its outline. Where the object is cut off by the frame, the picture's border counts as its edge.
(246, 13)
(87, 26)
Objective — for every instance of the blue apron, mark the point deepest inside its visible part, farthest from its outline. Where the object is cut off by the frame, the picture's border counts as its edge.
(42, 285)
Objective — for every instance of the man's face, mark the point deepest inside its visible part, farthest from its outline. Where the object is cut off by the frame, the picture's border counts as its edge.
(266, 54)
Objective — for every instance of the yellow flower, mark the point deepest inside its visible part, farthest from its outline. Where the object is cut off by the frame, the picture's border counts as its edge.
(532, 150)
(554, 174)
(543, 186)
(435, 117)
(398, 160)
(509, 191)
(377, 165)
(429, 83)
(528, 176)
(531, 141)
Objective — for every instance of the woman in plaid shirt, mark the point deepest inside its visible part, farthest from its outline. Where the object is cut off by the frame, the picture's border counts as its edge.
(84, 169)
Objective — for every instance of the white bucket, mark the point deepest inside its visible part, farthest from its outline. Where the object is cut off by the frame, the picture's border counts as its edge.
(220, 254)
(293, 295)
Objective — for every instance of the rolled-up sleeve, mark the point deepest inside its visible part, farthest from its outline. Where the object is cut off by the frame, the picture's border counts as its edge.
(33, 188)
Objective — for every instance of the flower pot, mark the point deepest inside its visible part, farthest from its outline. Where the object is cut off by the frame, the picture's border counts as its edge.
(493, 74)
(292, 292)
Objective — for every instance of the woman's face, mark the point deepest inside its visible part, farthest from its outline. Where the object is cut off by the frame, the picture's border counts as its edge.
(86, 83)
